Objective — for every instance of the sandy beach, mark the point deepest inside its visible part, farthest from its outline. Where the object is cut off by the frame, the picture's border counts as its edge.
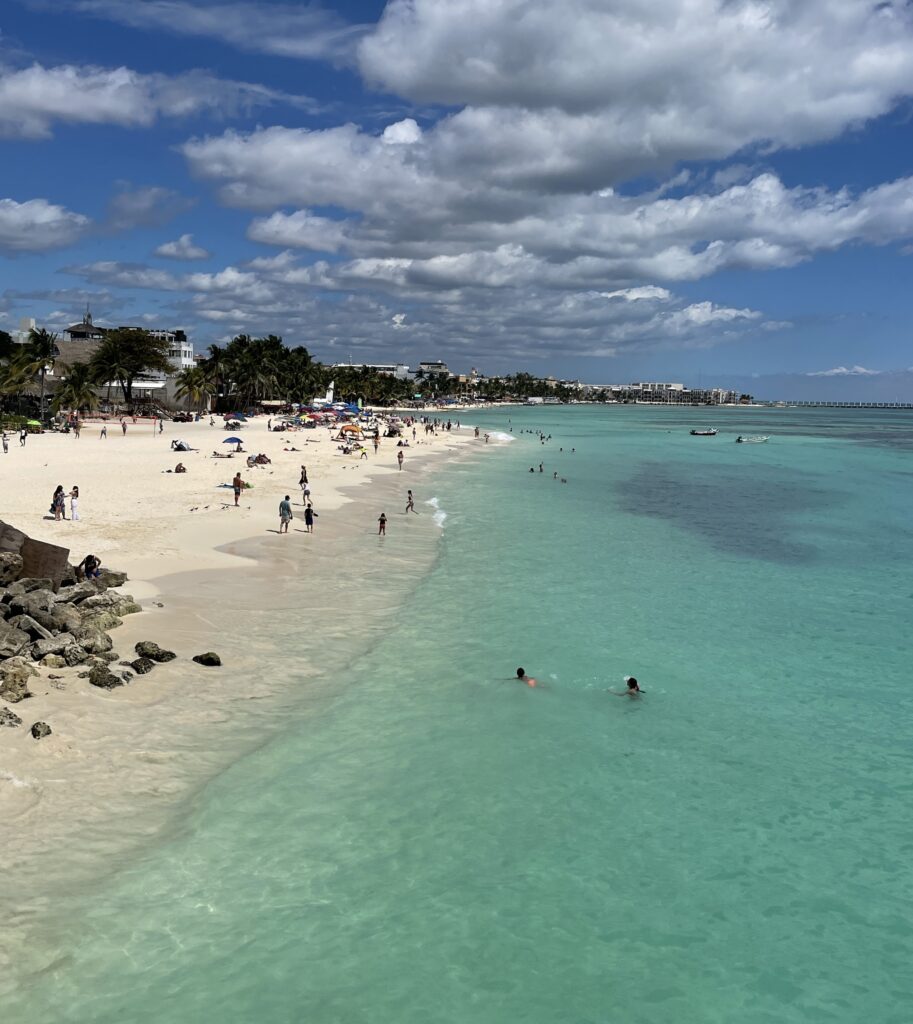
(204, 572)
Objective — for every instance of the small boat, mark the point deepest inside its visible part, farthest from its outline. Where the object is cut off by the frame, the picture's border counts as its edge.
(709, 432)
(757, 439)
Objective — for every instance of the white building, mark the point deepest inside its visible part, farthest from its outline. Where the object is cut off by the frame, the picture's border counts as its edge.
(398, 370)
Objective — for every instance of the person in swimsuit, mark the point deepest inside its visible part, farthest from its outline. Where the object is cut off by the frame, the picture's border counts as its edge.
(382, 525)
(633, 690)
(237, 484)
(524, 678)
(410, 502)
(399, 458)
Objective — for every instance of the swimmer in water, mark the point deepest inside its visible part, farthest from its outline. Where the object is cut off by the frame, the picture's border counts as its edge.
(633, 691)
(524, 678)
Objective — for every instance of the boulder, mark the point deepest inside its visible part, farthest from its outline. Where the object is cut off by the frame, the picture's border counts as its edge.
(40, 730)
(110, 578)
(80, 592)
(94, 640)
(10, 567)
(12, 640)
(149, 649)
(102, 620)
(209, 658)
(28, 625)
(21, 662)
(14, 680)
(65, 617)
(102, 600)
(127, 607)
(141, 666)
(74, 654)
(54, 661)
(9, 719)
(104, 678)
(30, 584)
(53, 645)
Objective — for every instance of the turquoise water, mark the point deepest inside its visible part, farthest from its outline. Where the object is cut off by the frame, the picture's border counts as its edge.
(439, 844)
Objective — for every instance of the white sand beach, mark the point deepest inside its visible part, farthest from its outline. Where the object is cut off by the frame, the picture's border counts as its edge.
(204, 572)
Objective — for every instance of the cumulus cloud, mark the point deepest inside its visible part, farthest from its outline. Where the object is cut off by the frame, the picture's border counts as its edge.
(285, 30)
(302, 230)
(33, 99)
(37, 225)
(182, 249)
(845, 371)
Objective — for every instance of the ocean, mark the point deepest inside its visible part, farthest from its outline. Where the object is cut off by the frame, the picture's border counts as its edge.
(432, 841)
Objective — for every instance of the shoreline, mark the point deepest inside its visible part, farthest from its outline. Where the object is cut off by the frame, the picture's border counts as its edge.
(120, 765)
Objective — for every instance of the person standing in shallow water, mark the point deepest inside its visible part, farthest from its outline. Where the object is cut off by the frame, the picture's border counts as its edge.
(382, 525)
(410, 502)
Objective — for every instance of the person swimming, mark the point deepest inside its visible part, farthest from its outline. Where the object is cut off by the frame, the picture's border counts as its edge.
(633, 690)
(524, 678)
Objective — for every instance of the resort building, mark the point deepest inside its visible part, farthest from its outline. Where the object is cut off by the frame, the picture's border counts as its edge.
(426, 369)
(398, 370)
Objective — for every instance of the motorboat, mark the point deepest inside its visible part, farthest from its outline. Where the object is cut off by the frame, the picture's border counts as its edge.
(709, 432)
(757, 439)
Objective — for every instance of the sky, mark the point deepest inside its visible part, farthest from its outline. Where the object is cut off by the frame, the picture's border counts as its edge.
(718, 192)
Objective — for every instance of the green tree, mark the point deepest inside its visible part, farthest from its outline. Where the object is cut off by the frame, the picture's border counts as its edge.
(127, 353)
(77, 390)
(34, 361)
(194, 383)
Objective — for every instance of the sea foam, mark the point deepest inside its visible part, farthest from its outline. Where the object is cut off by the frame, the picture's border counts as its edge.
(439, 514)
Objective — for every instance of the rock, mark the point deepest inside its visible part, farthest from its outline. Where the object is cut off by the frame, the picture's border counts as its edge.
(126, 676)
(74, 654)
(101, 600)
(40, 730)
(102, 620)
(54, 661)
(9, 719)
(28, 625)
(53, 645)
(127, 607)
(66, 618)
(148, 649)
(21, 662)
(10, 567)
(209, 658)
(94, 640)
(108, 657)
(142, 665)
(80, 592)
(30, 584)
(14, 680)
(12, 640)
(110, 578)
(104, 678)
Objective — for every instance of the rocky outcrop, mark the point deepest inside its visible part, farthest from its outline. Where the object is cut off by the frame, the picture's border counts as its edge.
(148, 649)
(142, 665)
(209, 658)
(102, 677)
(40, 730)
(9, 718)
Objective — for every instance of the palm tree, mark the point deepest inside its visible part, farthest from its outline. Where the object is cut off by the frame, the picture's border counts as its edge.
(125, 354)
(196, 384)
(77, 391)
(37, 357)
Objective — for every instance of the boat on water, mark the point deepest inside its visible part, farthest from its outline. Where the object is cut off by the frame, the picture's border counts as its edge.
(709, 432)
(757, 439)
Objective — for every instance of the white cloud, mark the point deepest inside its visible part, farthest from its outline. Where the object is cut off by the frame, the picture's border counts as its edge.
(37, 225)
(32, 99)
(845, 371)
(285, 30)
(182, 249)
(302, 230)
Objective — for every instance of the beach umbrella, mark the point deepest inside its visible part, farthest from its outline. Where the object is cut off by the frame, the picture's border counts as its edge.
(232, 440)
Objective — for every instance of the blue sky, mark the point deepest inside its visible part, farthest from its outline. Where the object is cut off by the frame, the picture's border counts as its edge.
(697, 190)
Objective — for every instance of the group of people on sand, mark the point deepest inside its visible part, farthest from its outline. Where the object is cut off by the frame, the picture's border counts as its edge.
(59, 503)
(632, 690)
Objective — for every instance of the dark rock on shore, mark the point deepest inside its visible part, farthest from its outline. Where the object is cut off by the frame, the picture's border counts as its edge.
(9, 718)
(102, 677)
(12, 641)
(110, 578)
(149, 649)
(141, 666)
(10, 567)
(14, 679)
(40, 730)
(209, 658)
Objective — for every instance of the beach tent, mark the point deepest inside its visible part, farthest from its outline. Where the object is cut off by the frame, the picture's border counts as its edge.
(350, 427)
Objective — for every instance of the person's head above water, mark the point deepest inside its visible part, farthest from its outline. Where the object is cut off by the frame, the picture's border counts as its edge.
(632, 683)
(521, 673)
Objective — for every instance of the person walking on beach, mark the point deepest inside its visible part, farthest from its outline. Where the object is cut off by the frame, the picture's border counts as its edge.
(524, 678)
(382, 525)
(285, 514)
(399, 458)
(410, 502)
(309, 514)
(376, 443)
(161, 425)
(123, 427)
(6, 443)
(74, 503)
(633, 690)
(23, 434)
(303, 484)
(104, 431)
(237, 484)
(77, 428)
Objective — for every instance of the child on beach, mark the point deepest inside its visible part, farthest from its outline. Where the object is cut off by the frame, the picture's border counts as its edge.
(309, 514)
